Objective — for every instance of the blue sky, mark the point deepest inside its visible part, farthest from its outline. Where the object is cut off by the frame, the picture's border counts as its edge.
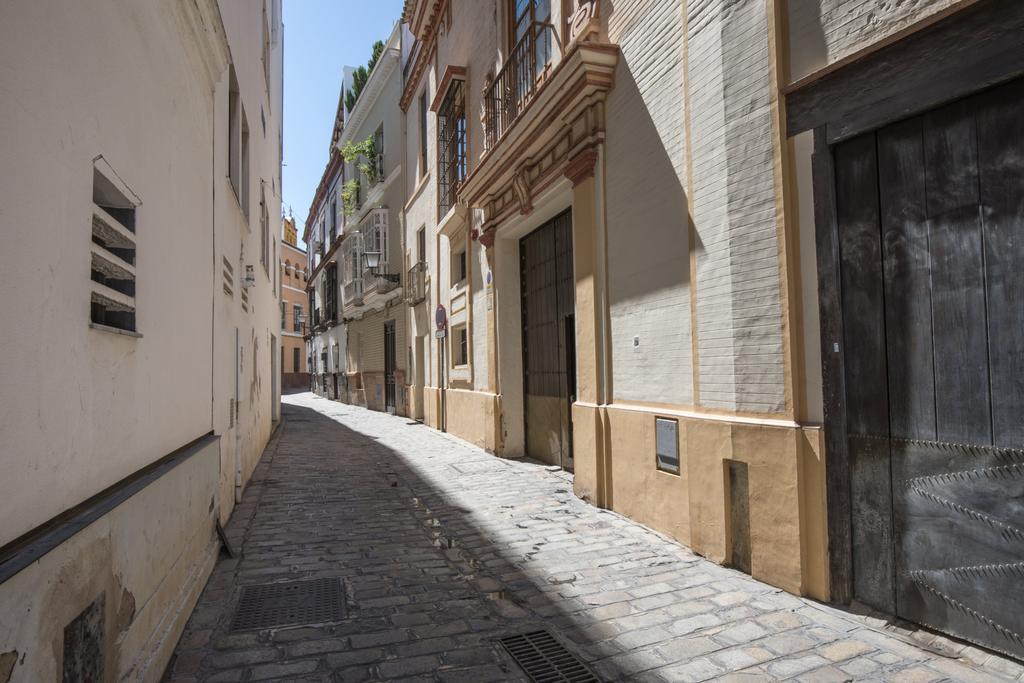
(321, 37)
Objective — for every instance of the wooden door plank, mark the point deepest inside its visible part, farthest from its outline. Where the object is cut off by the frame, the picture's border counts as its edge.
(908, 315)
(1000, 129)
(958, 282)
(837, 460)
(863, 305)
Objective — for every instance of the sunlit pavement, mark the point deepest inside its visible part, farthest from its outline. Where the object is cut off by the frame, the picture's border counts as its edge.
(443, 549)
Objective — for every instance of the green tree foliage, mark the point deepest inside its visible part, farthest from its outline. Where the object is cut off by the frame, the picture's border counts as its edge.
(364, 154)
(349, 196)
(361, 74)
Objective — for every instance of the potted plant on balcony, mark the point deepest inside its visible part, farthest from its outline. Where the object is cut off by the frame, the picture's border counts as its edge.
(364, 155)
(350, 197)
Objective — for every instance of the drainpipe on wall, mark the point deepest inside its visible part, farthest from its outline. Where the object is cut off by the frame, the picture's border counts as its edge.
(238, 427)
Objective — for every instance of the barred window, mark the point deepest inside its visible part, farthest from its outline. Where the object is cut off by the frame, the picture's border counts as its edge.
(451, 144)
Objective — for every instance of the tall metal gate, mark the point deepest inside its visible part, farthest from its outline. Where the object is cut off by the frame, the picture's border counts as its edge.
(389, 366)
(931, 237)
(549, 350)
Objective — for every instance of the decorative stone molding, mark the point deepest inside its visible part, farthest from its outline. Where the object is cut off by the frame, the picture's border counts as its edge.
(487, 237)
(563, 120)
(584, 23)
(581, 166)
(522, 187)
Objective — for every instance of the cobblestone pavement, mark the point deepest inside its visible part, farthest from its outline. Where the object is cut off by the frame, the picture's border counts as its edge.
(443, 548)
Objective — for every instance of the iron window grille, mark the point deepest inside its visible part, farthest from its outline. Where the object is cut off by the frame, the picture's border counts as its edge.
(451, 121)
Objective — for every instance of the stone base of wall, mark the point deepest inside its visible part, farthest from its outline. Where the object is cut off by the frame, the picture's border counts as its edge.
(470, 415)
(372, 393)
(138, 570)
(769, 521)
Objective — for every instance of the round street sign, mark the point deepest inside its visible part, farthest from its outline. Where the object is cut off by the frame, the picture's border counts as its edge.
(440, 317)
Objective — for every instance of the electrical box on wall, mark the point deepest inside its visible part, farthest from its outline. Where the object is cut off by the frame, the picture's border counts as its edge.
(666, 440)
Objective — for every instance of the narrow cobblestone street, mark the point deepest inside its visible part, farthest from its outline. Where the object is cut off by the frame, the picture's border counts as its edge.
(443, 548)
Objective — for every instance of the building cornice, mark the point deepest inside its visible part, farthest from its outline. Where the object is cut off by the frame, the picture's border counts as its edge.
(386, 65)
(330, 171)
(422, 16)
(202, 21)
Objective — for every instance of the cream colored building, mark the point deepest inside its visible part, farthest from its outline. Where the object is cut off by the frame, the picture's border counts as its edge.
(642, 271)
(355, 237)
(140, 172)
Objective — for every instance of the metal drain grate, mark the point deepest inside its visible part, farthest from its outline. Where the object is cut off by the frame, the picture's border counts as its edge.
(545, 659)
(289, 604)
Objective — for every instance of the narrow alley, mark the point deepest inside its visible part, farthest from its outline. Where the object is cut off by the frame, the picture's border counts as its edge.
(443, 549)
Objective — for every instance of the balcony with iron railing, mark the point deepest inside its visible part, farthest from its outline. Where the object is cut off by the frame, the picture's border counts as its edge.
(516, 83)
(416, 284)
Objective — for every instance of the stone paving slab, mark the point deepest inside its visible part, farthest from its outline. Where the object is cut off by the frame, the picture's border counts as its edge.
(443, 548)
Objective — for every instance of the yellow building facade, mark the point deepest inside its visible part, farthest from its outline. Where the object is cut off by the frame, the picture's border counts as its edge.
(621, 259)
(294, 304)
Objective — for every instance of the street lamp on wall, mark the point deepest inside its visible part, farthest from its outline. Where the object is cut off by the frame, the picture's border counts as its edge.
(372, 260)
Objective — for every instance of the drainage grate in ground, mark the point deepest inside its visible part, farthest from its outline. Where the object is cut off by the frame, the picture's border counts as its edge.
(545, 659)
(289, 604)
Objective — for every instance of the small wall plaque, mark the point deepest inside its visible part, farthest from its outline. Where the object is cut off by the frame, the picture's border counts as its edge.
(666, 433)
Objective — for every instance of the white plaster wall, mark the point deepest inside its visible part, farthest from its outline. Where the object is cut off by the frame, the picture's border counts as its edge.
(734, 202)
(648, 240)
(378, 105)
(238, 239)
(80, 409)
(825, 31)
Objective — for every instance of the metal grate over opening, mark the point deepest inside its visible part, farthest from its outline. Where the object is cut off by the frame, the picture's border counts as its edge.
(289, 604)
(545, 660)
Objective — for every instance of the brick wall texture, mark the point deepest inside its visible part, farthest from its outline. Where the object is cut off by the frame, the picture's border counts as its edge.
(738, 320)
(648, 252)
(830, 30)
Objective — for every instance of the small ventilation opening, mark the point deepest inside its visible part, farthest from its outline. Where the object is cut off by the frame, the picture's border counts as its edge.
(112, 254)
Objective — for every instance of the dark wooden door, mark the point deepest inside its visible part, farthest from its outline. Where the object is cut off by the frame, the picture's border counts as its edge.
(931, 238)
(389, 366)
(548, 302)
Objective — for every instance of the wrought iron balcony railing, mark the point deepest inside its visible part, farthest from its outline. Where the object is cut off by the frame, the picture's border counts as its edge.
(379, 281)
(517, 81)
(416, 284)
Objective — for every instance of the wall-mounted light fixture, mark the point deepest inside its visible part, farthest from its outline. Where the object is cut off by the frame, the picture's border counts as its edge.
(250, 277)
(372, 260)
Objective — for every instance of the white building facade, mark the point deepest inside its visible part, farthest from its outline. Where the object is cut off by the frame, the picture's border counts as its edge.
(357, 267)
(139, 385)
